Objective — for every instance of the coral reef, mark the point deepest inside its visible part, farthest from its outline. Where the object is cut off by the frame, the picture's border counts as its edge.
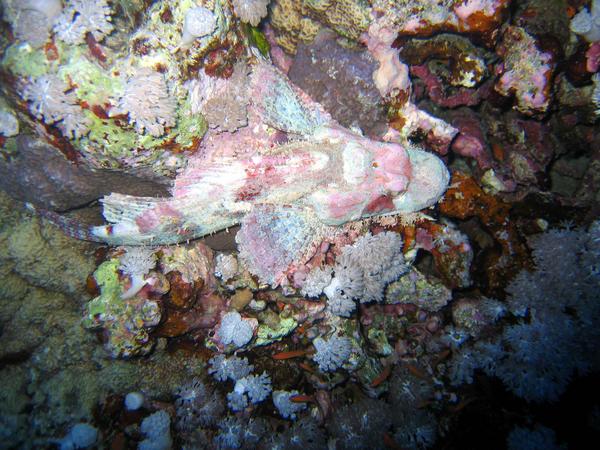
(234, 330)
(156, 430)
(324, 70)
(233, 368)
(136, 263)
(40, 308)
(81, 17)
(585, 22)
(32, 19)
(51, 101)
(300, 21)
(123, 316)
(536, 358)
(343, 223)
(361, 271)
(529, 82)
(249, 389)
(82, 435)
(147, 103)
(286, 407)
(197, 405)
(361, 424)
(198, 22)
(331, 353)
(415, 288)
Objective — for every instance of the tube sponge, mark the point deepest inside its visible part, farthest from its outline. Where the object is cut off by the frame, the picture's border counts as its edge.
(198, 22)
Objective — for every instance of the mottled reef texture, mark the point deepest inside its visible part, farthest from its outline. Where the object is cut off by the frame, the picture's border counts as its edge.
(325, 69)
(52, 372)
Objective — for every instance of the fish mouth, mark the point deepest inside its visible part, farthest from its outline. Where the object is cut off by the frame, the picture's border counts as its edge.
(429, 181)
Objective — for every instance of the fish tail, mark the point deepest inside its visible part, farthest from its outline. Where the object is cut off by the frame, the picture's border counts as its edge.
(69, 226)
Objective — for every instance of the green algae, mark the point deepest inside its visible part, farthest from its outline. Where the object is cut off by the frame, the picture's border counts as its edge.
(109, 300)
(111, 140)
(257, 39)
(268, 334)
(190, 127)
(24, 61)
(94, 85)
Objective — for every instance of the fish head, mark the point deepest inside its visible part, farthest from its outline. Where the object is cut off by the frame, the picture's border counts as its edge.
(377, 178)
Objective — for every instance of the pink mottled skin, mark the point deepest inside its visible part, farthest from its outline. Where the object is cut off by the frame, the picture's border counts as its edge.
(341, 206)
(389, 174)
(154, 218)
(310, 163)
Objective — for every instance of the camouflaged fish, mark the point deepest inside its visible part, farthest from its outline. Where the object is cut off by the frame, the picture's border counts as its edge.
(291, 162)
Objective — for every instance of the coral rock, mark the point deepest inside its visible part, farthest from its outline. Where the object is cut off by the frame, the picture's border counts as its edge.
(182, 294)
(526, 72)
(325, 69)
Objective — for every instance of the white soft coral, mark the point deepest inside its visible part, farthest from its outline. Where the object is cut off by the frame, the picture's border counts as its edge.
(332, 353)
(51, 100)
(147, 101)
(81, 17)
(137, 262)
(253, 389)
(234, 330)
(587, 23)
(250, 11)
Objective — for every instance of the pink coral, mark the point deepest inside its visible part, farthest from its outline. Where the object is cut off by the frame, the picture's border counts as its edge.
(392, 75)
(470, 141)
(436, 92)
(392, 80)
(468, 8)
(424, 17)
